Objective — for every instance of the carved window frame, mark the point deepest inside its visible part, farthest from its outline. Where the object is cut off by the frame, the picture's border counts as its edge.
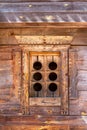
(25, 77)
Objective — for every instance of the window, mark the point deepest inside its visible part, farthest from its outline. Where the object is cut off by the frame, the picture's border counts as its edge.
(45, 74)
(47, 84)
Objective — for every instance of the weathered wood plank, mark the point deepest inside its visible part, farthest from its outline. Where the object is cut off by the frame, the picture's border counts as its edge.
(25, 82)
(8, 40)
(37, 31)
(55, 25)
(79, 70)
(73, 73)
(47, 127)
(64, 82)
(45, 111)
(17, 73)
(45, 101)
(5, 56)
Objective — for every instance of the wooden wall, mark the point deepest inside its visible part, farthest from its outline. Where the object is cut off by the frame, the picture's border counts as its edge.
(12, 72)
(78, 80)
(9, 101)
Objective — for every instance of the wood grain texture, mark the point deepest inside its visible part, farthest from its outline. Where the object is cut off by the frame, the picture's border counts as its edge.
(25, 81)
(17, 73)
(8, 102)
(78, 106)
(45, 101)
(11, 102)
(64, 82)
(73, 73)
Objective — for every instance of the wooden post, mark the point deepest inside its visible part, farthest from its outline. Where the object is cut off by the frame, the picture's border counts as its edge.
(17, 73)
(17, 76)
(73, 73)
(64, 82)
(25, 82)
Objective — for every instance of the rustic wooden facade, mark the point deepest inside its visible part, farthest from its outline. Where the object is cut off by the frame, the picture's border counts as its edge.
(43, 65)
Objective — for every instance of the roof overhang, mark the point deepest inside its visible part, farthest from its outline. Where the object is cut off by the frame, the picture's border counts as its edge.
(52, 14)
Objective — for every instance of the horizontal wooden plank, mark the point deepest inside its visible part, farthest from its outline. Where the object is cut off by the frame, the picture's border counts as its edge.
(81, 65)
(82, 55)
(5, 97)
(83, 95)
(37, 127)
(5, 56)
(81, 86)
(44, 110)
(44, 7)
(45, 101)
(44, 123)
(74, 109)
(36, 31)
(53, 25)
(5, 65)
(6, 80)
(5, 91)
(82, 75)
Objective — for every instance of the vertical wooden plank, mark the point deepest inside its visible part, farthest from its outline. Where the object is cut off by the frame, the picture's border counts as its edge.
(25, 81)
(64, 82)
(73, 73)
(17, 73)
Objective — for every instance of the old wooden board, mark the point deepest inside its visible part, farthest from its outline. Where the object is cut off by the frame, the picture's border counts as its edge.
(45, 101)
(14, 90)
(68, 25)
(78, 80)
(46, 127)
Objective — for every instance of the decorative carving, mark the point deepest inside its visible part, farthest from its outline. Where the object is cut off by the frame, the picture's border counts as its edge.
(64, 73)
(40, 39)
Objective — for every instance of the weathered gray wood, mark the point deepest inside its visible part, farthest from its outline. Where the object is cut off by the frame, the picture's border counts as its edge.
(44, 7)
(43, 12)
(78, 71)
(73, 73)
(25, 18)
(64, 82)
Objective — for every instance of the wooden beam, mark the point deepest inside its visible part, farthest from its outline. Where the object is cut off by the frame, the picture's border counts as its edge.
(17, 73)
(25, 82)
(68, 25)
(64, 82)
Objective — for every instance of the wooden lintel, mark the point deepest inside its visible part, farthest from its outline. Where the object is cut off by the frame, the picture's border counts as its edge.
(44, 24)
